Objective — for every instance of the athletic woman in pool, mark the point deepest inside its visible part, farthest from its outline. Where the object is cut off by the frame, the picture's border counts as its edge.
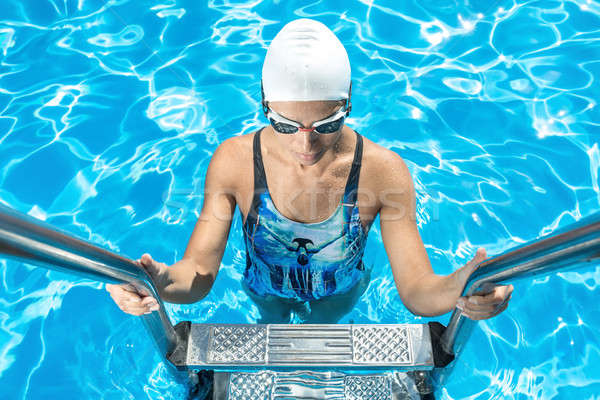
(308, 188)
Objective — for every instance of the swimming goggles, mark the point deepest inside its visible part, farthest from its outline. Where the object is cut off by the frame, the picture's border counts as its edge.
(331, 124)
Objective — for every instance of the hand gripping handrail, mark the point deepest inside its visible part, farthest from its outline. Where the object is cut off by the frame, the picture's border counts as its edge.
(27, 238)
(574, 245)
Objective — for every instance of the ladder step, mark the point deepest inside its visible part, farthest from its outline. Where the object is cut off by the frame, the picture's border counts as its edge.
(315, 385)
(224, 347)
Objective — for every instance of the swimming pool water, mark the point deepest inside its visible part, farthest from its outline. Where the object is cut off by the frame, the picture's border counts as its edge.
(110, 110)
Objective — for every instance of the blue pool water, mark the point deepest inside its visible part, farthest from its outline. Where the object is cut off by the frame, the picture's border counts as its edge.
(110, 111)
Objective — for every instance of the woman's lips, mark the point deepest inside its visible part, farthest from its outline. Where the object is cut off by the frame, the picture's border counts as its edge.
(308, 157)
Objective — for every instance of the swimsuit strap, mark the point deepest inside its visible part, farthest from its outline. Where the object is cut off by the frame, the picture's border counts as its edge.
(260, 180)
(352, 185)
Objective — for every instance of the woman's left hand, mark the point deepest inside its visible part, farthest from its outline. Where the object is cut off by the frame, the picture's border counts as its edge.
(483, 306)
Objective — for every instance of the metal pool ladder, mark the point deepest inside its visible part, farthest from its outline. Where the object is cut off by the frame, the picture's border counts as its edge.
(392, 361)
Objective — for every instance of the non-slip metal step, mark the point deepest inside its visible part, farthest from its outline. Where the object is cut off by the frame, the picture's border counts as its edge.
(274, 385)
(224, 347)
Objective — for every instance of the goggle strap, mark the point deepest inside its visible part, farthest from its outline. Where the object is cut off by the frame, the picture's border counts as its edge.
(265, 106)
(349, 108)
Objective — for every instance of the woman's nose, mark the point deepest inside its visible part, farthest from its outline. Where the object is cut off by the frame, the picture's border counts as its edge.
(307, 139)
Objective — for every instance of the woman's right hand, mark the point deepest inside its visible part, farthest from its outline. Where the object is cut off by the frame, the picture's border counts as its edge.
(132, 301)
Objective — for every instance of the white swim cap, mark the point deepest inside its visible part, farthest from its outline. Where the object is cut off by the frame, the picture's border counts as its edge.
(306, 61)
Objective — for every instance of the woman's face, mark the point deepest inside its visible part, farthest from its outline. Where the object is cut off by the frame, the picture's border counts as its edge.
(307, 147)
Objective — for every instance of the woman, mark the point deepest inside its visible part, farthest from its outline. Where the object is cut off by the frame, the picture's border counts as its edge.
(305, 231)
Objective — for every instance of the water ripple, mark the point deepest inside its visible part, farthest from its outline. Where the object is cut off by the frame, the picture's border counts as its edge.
(110, 111)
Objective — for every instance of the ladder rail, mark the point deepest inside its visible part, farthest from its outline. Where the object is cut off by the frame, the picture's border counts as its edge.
(575, 245)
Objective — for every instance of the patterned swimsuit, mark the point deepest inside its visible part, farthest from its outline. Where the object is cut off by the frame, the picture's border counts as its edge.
(303, 261)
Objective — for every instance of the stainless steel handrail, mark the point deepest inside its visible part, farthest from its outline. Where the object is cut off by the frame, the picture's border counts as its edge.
(25, 237)
(571, 246)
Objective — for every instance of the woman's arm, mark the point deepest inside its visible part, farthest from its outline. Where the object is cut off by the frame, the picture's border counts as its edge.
(422, 291)
(191, 278)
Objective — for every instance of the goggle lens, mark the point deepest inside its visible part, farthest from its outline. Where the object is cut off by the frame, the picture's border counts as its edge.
(282, 127)
(330, 127)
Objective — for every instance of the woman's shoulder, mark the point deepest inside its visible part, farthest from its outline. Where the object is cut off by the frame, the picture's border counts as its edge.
(238, 148)
(232, 161)
(376, 150)
(380, 163)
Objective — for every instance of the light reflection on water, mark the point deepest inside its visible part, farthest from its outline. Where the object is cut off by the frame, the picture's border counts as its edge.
(109, 112)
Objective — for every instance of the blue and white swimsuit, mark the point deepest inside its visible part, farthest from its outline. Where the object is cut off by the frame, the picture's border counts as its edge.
(303, 261)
